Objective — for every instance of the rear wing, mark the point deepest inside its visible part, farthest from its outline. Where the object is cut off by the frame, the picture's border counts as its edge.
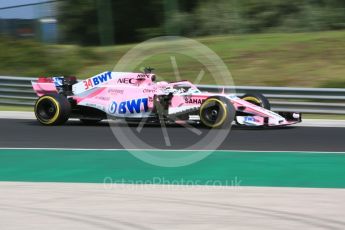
(45, 85)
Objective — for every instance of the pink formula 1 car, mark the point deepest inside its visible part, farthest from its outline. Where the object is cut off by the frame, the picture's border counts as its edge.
(136, 96)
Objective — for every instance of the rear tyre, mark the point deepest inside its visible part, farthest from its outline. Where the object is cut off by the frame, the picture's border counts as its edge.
(217, 112)
(52, 109)
(257, 99)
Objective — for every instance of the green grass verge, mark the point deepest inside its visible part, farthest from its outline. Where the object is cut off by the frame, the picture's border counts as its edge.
(292, 59)
(16, 108)
(324, 116)
(287, 169)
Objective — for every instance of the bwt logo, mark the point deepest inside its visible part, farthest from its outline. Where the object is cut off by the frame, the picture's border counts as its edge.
(130, 106)
(94, 81)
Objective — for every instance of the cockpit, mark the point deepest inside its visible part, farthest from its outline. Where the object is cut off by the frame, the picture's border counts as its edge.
(184, 87)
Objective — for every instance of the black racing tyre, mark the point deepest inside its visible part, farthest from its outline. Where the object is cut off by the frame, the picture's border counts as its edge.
(257, 99)
(216, 112)
(90, 121)
(52, 109)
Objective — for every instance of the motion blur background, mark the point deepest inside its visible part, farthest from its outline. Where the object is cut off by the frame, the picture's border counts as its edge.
(263, 42)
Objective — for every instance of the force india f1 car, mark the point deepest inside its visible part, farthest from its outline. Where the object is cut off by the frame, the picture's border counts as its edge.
(136, 96)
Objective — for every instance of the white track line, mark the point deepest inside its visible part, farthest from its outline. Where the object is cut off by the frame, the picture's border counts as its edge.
(305, 122)
(322, 123)
(172, 150)
(16, 115)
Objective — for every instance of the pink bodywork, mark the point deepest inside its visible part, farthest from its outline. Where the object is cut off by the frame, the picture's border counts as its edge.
(42, 88)
(131, 95)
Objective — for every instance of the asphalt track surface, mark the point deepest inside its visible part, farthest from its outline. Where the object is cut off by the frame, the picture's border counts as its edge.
(22, 133)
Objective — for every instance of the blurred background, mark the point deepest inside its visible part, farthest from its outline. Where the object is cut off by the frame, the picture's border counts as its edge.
(263, 42)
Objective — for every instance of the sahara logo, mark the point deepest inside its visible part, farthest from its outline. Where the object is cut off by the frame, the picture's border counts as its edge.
(189, 100)
(130, 106)
(96, 80)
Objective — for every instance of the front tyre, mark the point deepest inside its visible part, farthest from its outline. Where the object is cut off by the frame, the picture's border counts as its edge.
(257, 99)
(52, 109)
(216, 112)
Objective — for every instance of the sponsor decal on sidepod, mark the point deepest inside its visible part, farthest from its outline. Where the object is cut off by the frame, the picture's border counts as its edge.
(130, 106)
(189, 100)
